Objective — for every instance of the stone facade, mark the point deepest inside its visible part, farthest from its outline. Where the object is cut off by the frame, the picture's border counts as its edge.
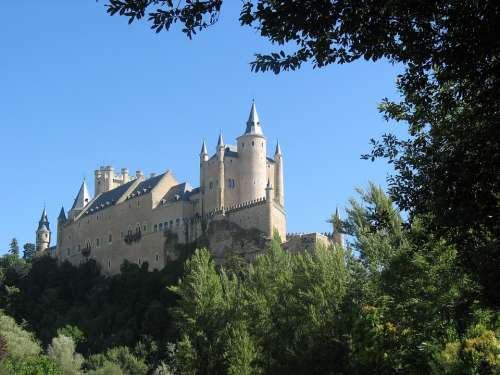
(134, 217)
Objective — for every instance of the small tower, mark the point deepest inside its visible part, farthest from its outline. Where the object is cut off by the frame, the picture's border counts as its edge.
(43, 233)
(203, 160)
(61, 219)
(252, 153)
(81, 201)
(338, 236)
(220, 169)
(269, 209)
(279, 195)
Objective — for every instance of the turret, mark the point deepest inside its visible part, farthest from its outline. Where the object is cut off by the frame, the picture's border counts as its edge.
(203, 160)
(252, 148)
(125, 175)
(338, 235)
(43, 233)
(61, 220)
(279, 194)
(81, 201)
(269, 209)
(220, 171)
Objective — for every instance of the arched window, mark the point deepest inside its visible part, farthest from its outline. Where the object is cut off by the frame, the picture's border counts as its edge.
(157, 257)
(109, 264)
(110, 237)
(155, 228)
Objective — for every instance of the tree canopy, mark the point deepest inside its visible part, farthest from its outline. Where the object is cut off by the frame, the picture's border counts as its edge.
(448, 170)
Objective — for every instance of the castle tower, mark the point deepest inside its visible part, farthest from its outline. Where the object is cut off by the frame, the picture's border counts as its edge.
(82, 199)
(203, 160)
(269, 209)
(43, 233)
(61, 219)
(338, 236)
(279, 194)
(220, 170)
(252, 152)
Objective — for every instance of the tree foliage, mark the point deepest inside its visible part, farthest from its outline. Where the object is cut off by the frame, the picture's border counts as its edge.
(29, 251)
(448, 170)
(14, 247)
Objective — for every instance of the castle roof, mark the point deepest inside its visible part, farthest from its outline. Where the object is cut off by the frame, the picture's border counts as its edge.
(204, 148)
(43, 224)
(108, 198)
(62, 215)
(82, 198)
(178, 192)
(146, 186)
(220, 141)
(253, 123)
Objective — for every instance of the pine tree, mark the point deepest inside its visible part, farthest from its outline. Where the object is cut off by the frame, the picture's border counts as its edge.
(14, 247)
(29, 251)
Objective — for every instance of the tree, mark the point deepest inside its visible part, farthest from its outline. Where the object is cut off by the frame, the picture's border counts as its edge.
(14, 247)
(62, 352)
(29, 251)
(449, 167)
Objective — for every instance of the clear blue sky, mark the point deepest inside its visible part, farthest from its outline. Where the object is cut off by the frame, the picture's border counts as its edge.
(80, 89)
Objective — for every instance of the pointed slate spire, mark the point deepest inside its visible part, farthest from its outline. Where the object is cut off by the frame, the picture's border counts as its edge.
(278, 148)
(62, 215)
(44, 220)
(82, 198)
(253, 123)
(203, 149)
(220, 141)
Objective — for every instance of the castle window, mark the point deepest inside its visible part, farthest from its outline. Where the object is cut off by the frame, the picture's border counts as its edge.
(109, 264)
(46, 235)
(253, 143)
(97, 242)
(139, 261)
(165, 224)
(157, 257)
(138, 228)
(177, 222)
(155, 228)
(144, 228)
(160, 226)
(110, 238)
(210, 185)
(171, 222)
(243, 145)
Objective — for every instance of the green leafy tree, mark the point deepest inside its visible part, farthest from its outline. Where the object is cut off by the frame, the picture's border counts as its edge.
(448, 169)
(14, 248)
(73, 332)
(62, 352)
(29, 251)
(275, 319)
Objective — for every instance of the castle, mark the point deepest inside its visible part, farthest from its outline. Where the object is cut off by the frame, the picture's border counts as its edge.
(130, 217)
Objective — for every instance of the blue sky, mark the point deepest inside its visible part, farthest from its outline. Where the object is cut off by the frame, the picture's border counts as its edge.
(80, 89)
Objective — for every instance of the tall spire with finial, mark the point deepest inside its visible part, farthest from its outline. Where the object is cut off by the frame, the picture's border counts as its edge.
(253, 123)
(203, 149)
(82, 198)
(220, 141)
(278, 148)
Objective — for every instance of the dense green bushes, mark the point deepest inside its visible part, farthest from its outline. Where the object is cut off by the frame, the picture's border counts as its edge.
(394, 301)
